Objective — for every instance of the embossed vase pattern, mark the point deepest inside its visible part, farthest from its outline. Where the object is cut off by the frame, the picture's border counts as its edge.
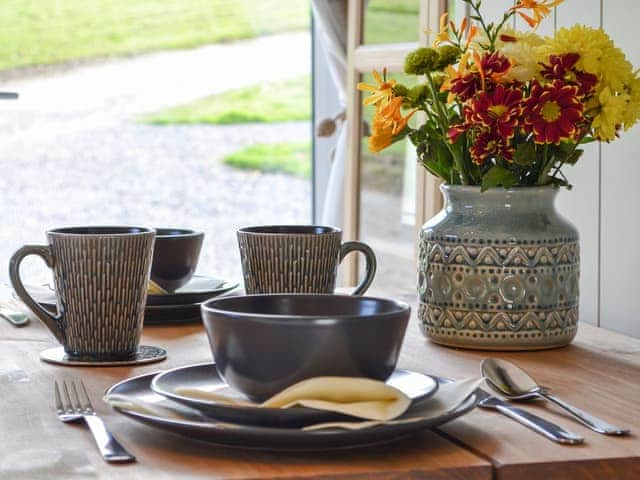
(499, 270)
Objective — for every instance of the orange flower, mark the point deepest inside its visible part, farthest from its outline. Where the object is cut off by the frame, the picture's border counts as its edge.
(388, 122)
(473, 31)
(539, 9)
(443, 34)
(453, 74)
(381, 135)
(381, 93)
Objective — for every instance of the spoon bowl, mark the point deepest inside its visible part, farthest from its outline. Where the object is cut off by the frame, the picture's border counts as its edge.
(509, 379)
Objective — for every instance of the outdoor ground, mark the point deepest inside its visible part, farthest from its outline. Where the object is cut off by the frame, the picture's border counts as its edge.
(73, 151)
(110, 134)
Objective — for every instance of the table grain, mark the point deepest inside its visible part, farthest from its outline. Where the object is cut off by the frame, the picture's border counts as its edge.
(599, 372)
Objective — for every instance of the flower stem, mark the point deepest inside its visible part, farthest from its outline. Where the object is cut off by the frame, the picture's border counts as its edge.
(442, 124)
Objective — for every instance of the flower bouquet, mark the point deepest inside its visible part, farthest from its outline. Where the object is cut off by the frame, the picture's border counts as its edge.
(507, 108)
(504, 112)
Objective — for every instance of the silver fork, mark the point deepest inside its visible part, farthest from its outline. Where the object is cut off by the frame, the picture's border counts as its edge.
(76, 409)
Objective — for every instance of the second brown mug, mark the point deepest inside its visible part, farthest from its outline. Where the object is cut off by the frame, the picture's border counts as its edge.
(297, 259)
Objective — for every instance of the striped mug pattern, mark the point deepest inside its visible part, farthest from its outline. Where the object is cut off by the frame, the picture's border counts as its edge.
(297, 259)
(101, 276)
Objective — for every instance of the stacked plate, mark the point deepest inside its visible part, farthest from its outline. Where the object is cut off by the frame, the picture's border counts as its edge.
(179, 307)
(183, 305)
(243, 425)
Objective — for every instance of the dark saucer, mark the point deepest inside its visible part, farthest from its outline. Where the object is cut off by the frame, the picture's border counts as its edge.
(197, 290)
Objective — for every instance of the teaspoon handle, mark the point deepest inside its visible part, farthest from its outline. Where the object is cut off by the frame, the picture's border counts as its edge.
(594, 423)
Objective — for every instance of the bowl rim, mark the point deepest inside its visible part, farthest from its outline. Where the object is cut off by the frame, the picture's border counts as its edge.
(401, 308)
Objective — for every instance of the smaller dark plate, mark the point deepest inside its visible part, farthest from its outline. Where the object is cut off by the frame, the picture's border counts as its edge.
(172, 314)
(197, 290)
(205, 376)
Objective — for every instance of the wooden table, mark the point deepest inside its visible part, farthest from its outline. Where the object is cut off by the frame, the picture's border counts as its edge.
(600, 372)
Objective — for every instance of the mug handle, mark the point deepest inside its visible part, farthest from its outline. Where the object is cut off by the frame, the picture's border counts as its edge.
(370, 258)
(44, 252)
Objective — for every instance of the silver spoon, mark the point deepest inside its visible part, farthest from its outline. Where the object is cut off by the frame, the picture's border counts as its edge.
(516, 384)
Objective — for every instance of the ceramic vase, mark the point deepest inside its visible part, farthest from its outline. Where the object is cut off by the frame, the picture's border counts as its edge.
(499, 270)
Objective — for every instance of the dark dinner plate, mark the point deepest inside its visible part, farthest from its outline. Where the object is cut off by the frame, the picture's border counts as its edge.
(193, 424)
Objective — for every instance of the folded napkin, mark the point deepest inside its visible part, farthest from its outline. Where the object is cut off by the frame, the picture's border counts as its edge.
(154, 289)
(447, 398)
(358, 397)
(369, 399)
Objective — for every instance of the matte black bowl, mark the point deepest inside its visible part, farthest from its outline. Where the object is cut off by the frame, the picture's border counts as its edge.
(175, 256)
(264, 343)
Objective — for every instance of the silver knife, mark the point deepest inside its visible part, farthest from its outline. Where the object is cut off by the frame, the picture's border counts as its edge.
(544, 427)
(17, 319)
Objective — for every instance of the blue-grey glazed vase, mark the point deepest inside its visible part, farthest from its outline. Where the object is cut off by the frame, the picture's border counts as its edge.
(499, 270)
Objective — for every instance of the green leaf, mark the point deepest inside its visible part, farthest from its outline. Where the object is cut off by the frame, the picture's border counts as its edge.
(525, 154)
(574, 157)
(498, 176)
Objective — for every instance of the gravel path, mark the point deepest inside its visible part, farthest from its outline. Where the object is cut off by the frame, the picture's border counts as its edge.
(72, 155)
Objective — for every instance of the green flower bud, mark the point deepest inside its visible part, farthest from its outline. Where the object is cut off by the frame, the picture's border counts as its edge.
(421, 61)
(400, 90)
(418, 95)
(447, 55)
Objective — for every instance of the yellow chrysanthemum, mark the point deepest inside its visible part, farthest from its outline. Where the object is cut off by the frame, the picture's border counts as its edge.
(610, 116)
(632, 110)
(522, 50)
(598, 55)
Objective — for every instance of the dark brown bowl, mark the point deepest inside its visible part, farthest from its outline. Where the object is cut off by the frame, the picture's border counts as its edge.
(175, 256)
(264, 343)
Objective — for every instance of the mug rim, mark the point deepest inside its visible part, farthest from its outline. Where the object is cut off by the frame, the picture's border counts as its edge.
(177, 232)
(100, 231)
(289, 230)
(399, 307)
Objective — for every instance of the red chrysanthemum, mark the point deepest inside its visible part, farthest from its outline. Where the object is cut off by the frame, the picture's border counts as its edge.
(553, 112)
(494, 65)
(490, 68)
(562, 67)
(466, 86)
(489, 144)
(499, 110)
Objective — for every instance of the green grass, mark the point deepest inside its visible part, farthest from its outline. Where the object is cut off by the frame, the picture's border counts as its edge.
(283, 101)
(36, 32)
(291, 158)
(391, 22)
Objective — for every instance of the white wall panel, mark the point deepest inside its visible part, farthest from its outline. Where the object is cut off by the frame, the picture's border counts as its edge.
(620, 231)
(582, 204)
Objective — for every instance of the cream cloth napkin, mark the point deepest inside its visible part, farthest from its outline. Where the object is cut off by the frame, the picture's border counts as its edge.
(358, 397)
(386, 407)
(447, 398)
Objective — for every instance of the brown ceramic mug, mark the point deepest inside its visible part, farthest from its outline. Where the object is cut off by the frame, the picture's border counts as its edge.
(297, 259)
(101, 276)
